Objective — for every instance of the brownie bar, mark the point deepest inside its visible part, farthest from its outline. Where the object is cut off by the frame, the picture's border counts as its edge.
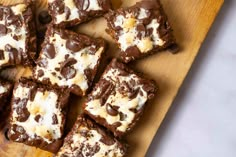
(87, 139)
(140, 30)
(69, 60)
(118, 99)
(66, 13)
(17, 35)
(38, 115)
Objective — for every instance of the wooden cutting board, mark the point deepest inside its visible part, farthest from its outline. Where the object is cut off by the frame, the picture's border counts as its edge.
(191, 20)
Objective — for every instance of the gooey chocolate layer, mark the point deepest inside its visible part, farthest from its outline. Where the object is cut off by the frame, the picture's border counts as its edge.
(69, 60)
(17, 35)
(118, 99)
(141, 29)
(90, 140)
(73, 12)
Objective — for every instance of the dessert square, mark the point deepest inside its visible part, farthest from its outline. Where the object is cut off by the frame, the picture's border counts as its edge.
(38, 115)
(140, 30)
(17, 35)
(67, 13)
(5, 93)
(119, 98)
(69, 60)
(87, 139)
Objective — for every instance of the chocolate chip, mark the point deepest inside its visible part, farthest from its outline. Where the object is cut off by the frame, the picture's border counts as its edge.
(15, 37)
(133, 94)
(116, 124)
(89, 74)
(49, 50)
(32, 93)
(36, 118)
(44, 17)
(67, 56)
(81, 4)
(67, 12)
(40, 73)
(73, 45)
(54, 119)
(67, 71)
(3, 29)
(107, 140)
(122, 116)
(111, 110)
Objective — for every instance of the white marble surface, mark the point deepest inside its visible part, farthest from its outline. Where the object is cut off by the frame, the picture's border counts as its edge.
(202, 120)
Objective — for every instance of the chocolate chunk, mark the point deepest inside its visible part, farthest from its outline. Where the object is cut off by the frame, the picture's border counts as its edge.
(67, 11)
(122, 116)
(50, 51)
(73, 45)
(111, 110)
(22, 111)
(36, 118)
(116, 124)
(54, 119)
(40, 73)
(67, 71)
(32, 93)
(44, 17)
(3, 29)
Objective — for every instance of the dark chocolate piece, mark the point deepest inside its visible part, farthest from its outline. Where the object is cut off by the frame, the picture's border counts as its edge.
(67, 13)
(118, 99)
(66, 58)
(87, 139)
(17, 35)
(140, 30)
(34, 108)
